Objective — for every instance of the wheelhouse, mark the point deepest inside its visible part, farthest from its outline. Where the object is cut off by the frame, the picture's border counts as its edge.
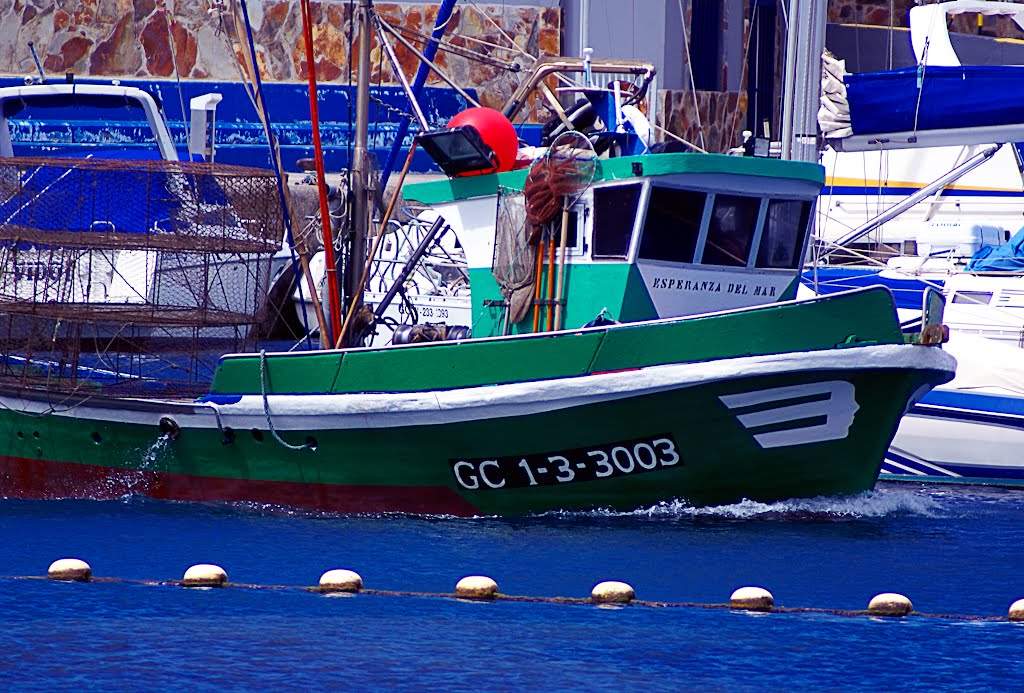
(654, 236)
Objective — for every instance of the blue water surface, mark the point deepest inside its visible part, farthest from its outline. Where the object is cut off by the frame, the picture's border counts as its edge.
(953, 551)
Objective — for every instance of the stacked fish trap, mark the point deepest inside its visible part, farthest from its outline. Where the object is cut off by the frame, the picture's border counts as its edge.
(130, 277)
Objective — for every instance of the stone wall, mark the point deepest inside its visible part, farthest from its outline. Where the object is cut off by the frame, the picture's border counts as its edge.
(195, 40)
(722, 117)
(895, 14)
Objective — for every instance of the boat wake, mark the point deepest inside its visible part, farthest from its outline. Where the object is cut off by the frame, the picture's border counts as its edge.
(867, 505)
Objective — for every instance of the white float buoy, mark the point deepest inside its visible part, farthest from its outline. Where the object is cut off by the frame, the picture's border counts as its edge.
(340, 580)
(204, 575)
(889, 604)
(612, 591)
(69, 569)
(752, 599)
(476, 587)
(1017, 610)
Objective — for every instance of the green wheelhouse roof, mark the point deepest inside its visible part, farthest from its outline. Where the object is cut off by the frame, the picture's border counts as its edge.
(621, 168)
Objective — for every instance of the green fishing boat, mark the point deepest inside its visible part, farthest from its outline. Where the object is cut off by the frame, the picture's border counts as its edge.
(678, 370)
(633, 334)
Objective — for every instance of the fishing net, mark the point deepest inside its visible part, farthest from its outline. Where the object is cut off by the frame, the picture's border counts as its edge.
(514, 255)
(559, 177)
(131, 276)
(554, 184)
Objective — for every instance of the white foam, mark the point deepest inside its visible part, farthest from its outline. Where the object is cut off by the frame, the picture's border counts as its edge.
(871, 504)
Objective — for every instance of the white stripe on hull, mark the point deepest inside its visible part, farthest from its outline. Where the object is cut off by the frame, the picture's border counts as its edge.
(356, 411)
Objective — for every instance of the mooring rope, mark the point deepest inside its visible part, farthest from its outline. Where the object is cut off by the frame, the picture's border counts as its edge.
(567, 601)
(266, 405)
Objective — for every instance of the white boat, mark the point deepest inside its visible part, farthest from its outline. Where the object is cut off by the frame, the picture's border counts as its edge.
(970, 430)
(119, 187)
(161, 258)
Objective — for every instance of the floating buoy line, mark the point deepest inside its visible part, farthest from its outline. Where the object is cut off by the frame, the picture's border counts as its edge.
(482, 588)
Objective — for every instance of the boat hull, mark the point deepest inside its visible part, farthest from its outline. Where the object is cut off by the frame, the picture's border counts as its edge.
(956, 436)
(762, 427)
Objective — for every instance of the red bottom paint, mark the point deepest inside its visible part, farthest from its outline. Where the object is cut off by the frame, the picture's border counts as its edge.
(48, 480)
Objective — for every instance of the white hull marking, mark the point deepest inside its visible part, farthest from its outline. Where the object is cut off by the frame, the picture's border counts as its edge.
(838, 410)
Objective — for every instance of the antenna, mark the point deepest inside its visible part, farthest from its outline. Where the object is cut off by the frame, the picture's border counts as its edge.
(42, 75)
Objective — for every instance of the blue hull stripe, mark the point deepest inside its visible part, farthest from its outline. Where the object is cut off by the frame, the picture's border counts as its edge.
(899, 467)
(974, 402)
(973, 480)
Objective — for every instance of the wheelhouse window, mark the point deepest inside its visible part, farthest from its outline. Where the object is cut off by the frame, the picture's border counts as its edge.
(614, 213)
(731, 230)
(672, 225)
(785, 226)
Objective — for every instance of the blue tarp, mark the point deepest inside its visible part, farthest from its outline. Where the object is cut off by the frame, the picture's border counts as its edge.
(1002, 258)
(950, 97)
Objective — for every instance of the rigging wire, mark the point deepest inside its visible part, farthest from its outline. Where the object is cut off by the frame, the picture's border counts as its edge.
(177, 77)
(689, 69)
(467, 53)
(744, 70)
(275, 156)
(500, 29)
(892, 30)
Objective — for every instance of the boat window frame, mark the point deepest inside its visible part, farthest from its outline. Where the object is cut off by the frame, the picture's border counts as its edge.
(764, 201)
(755, 237)
(582, 208)
(705, 225)
(638, 218)
(755, 241)
(641, 221)
(801, 252)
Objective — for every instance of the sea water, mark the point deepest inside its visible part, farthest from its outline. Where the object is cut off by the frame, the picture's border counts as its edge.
(954, 551)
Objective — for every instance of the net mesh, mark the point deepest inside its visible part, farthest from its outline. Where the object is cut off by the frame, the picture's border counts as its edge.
(131, 276)
(514, 255)
(559, 177)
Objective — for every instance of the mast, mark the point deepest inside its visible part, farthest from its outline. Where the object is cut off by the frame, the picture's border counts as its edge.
(802, 92)
(360, 171)
(334, 327)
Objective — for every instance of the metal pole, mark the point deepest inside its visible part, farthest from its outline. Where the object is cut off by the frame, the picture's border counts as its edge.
(407, 269)
(321, 181)
(360, 217)
(804, 44)
(406, 87)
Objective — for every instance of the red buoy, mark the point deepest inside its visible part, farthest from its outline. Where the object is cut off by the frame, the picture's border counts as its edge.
(495, 130)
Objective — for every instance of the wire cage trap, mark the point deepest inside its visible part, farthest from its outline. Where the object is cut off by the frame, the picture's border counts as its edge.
(131, 276)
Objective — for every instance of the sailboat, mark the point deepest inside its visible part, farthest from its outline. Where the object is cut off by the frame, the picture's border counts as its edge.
(653, 351)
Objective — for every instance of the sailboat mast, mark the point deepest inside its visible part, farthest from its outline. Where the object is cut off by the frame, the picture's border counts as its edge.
(360, 169)
(802, 91)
